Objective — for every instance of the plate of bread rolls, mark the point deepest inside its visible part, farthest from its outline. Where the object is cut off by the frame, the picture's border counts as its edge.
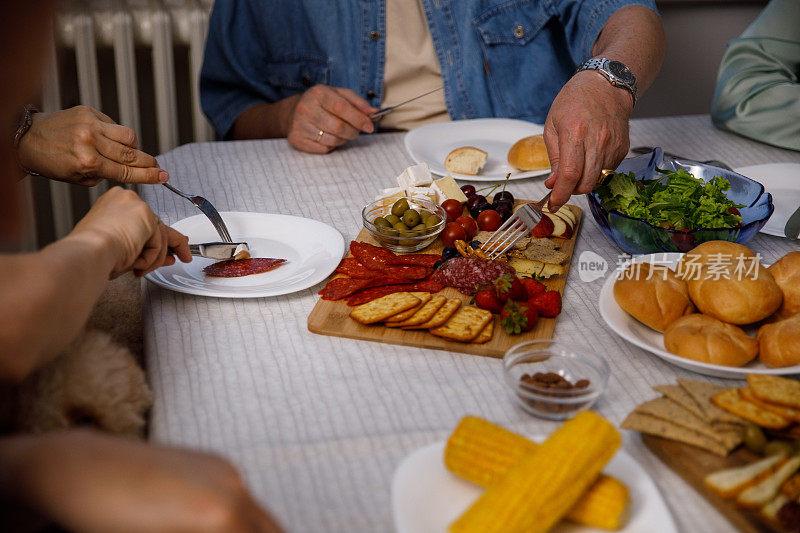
(716, 310)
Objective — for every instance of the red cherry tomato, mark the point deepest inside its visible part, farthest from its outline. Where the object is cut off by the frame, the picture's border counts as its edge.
(453, 208)
(489, 220)
(469, 225)
(453, 232)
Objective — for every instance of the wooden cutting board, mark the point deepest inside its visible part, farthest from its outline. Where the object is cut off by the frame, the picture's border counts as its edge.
(694, 464)
(332, 318)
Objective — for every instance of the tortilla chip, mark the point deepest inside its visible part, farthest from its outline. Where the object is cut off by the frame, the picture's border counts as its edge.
(678, 394)
(661, 428)
(702, 392)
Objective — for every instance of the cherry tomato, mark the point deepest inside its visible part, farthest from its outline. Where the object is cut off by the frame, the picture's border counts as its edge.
(489, 220)
(453, 232)
(453, 208)
(469, 225)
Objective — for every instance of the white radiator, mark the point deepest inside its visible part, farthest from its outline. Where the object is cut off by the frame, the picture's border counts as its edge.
(82, 29)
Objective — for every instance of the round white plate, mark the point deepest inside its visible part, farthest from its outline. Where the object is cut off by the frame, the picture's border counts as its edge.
(495, 136)
(426, 497)
(651, 340)
(782, 181)
(312, 251)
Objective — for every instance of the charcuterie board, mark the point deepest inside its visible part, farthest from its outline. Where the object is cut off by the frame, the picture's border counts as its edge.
(332, 317)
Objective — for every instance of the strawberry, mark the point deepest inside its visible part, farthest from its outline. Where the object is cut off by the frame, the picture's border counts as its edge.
(518, 317)
(533, 287)
(488, 299)
(510, 287)
(547, 303)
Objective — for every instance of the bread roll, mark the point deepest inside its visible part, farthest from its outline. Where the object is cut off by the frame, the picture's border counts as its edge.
(726, 281)
(779, 342)
(786, 272)
(466, 160)
(708, 340)
(529, 153)
(657, 301)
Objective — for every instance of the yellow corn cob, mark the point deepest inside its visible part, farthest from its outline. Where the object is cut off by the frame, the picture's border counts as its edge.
(539, 490)
(482, 452)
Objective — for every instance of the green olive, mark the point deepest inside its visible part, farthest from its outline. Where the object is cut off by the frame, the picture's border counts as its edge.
(754, 438)
(381, 222)
(392, 219)
(387, 231)
(411, 218)
(400, 207)
(777, 447)
(419, 230)
(432, 220)
(400, 227)
(409, 238)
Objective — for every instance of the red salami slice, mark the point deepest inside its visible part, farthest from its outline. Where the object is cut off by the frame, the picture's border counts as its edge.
(367, 295)
(235, 268)
(426, 260)
(351, 267)
(372, 257)
(339, 288)
(466, 273)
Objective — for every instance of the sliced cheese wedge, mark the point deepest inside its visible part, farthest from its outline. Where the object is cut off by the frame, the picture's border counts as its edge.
(729, 482)
(447, 189)
(766, 489)
(415, 176)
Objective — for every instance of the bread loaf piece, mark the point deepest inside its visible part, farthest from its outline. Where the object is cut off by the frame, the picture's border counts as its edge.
(529, 153)
(653, 295)
(779, 342)
(786, 272)
(466, 160)
(708, 340)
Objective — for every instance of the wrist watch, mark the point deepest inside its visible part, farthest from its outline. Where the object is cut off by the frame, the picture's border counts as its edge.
(25, 123)
(615, 72)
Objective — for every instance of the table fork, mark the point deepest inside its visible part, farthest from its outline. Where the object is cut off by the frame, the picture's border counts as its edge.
(208, 210)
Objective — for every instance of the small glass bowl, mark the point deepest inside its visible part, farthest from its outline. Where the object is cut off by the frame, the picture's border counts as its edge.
(390, 238)
(573, 364)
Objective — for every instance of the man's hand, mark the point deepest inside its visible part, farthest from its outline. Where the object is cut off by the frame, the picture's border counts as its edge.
(585, 132)
(83, 146)
(86, 481)
(131, 233)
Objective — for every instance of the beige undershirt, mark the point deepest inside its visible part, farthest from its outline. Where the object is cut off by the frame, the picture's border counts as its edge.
(411, 69)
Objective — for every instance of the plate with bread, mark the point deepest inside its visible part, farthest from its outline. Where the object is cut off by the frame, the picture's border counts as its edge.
(483, 149)
(716, 310)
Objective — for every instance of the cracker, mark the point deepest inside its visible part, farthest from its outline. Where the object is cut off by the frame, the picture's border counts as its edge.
(661, 428)
(775, 389)
(424, 297)
(441, 316)
(670, 411)
(486, 334)
(702, 392)
(786, 412)
(678, 394)
(383, 307)
(424, 313)
(730, 400)
(464, 325)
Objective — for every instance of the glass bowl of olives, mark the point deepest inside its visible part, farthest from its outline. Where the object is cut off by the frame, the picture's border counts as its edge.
(408, 224)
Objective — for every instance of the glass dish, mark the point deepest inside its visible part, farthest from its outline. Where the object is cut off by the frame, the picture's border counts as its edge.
(391, 238)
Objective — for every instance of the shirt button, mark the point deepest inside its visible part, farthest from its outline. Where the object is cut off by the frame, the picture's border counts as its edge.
(375, 35)
(371, 94)
(519, 31)
(306, 81)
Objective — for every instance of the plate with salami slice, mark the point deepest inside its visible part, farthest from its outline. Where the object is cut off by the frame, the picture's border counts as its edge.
(288, 253)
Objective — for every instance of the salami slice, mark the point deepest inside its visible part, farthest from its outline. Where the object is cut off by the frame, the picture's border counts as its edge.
(371, 256)
(466, 273)
(367, 295)
(339, 288)
(235, 268)
(351, 267)
(426, 260)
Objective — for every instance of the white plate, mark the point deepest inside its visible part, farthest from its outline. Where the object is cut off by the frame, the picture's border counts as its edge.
(312, 251)
(426, 497)
(495, 136)
(651, 340)
(782, 181)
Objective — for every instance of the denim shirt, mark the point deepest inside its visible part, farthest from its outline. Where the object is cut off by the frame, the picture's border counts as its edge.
(499, 58)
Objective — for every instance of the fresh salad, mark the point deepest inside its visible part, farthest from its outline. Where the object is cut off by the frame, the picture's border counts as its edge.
(676, 201)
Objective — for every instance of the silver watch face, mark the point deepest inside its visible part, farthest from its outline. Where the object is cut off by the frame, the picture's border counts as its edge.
(619, 70)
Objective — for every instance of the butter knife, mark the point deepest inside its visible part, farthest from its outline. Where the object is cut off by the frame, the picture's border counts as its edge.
(220, 250)
(792, 228)
(387, 110)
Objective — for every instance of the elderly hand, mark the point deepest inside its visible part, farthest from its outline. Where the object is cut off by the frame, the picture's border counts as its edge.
(132, 233)
(87, 481)
(585, 132)
(83, 146)
(339, 113)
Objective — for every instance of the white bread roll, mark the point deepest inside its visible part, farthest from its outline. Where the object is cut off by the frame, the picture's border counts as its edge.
(786, 272)
(708, 340)
(727, 282)
(466, 160)
(779, 342)
(657, 301)
(529, 153)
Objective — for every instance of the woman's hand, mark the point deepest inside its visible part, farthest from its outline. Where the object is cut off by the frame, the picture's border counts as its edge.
(87, 481)
(131, 233)
(83, 146)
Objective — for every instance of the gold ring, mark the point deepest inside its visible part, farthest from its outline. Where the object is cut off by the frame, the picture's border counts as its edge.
(319, 135)
(604, 174)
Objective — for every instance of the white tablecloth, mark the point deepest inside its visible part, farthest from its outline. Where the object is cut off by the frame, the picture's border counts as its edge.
(318, 424)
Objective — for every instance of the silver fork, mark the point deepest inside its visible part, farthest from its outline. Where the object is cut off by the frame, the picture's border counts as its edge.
(208, 209)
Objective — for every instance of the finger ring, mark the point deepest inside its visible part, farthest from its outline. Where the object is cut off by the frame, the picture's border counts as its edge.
(604, 174)
(319, 135)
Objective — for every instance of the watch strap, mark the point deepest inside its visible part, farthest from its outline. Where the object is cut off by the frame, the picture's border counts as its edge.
(599, 64)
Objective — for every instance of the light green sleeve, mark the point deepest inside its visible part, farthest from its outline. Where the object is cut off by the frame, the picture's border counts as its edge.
(758, 91)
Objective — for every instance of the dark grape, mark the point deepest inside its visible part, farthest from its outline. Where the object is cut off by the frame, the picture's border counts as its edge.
(468, 190)
(498, 203)
(503, 195)
(475, 200)
(478, 209)
(504, 211)
(449, 253)
(438, 263)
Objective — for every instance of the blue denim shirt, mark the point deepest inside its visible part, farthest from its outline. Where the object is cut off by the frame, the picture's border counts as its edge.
(499, 58)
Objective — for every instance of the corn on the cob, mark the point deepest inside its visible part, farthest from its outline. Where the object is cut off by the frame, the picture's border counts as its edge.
(482, 452)
(538, 491)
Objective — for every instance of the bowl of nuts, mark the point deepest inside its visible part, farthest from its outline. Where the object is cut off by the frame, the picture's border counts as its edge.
(552, 380)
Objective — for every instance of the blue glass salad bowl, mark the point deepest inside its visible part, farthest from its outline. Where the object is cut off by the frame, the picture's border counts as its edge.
(637, 236)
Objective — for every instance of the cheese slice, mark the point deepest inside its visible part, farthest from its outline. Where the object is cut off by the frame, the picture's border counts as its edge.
(415, 176)
(447, 189)
(422, 191)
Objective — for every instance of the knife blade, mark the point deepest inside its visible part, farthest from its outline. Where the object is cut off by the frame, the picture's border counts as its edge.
(220, 250)
(386, 110)
(792, 228)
